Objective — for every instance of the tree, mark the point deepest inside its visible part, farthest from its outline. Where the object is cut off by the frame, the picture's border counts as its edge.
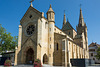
(7, 42)
(98, 54)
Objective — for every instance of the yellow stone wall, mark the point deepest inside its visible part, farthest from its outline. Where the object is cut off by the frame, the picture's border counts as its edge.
(44, 41)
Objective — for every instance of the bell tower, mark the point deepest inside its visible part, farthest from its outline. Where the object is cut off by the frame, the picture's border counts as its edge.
(82, 31)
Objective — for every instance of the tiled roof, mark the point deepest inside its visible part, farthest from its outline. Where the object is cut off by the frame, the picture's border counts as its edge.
(94, 44)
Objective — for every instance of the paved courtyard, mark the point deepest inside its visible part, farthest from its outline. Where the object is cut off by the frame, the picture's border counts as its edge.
(97, 65)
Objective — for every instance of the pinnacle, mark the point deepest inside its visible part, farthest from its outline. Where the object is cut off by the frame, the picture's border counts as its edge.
(50, 6)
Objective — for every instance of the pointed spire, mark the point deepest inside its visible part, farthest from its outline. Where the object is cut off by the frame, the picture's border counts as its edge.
(50, 6)
(81, 20)
(50, 9)
(64, 21)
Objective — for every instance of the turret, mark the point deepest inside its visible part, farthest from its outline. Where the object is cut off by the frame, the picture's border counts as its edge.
(51, 25)
(51, 15)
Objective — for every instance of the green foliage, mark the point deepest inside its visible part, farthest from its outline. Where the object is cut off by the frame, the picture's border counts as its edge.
(7, 63)
(98, 53)
(7, 42)
(37, 60)
(37, 63)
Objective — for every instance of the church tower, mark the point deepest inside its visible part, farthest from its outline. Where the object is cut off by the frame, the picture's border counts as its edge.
(51, 24)
(82, 32)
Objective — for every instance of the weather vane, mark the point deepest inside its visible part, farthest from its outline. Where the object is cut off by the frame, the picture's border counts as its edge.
(31, 2)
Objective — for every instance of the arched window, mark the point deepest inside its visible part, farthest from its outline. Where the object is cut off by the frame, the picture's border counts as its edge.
(30, 16)
(50, 46)
(57, 46)
(46, 24)
(50, 29)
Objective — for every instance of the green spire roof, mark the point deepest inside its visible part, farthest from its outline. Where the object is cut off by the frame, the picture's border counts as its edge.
(67, 26)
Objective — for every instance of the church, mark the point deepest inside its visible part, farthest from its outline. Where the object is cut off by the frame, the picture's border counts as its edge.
(40, 38)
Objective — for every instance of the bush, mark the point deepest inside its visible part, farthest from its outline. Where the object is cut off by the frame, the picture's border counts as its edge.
(7, 63)
(37, 63)
(37, 60)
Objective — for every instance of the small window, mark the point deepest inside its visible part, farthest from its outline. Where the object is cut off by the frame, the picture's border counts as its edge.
(92, 50)
(50, 38)
(91, 54)
(46, 24)
(57, 46)
(50, 16)
(63, 45)
(69, 33)
(30, 16)
(55, 29)
(50, 46)
(50, 29)
(93, 58)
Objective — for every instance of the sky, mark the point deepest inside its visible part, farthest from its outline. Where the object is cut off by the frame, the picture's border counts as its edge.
(11, 12)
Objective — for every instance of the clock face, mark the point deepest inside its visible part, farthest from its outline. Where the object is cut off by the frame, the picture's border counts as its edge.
(30, 29)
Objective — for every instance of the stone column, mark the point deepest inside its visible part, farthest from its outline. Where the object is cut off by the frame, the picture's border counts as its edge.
(64, 53)
(16, 51)
(68, 54)
(20, 38)
(19, 44)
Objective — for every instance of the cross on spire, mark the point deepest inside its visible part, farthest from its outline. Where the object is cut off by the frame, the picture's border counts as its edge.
(80, 5)
(64, 11)
(31, 2)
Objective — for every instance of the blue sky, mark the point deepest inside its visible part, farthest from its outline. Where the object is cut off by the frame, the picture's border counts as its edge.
(11, 12)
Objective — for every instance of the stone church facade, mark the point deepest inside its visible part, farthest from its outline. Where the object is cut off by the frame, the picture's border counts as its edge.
(40, 38)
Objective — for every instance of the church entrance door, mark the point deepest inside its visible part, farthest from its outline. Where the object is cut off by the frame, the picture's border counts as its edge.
(45, 59)
(30, 56)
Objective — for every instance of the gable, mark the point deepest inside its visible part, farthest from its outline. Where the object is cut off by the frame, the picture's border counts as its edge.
(67, 26)
(31, 13)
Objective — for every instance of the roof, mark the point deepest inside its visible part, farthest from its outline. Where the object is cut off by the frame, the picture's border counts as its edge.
(9, 52)
(33, 9)
(94, 44)
(81, 19)
(50, 9)
(78, 36)
(67, 26)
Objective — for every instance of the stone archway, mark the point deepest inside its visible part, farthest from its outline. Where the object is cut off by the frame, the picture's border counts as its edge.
(29, 56)
(45, 59)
